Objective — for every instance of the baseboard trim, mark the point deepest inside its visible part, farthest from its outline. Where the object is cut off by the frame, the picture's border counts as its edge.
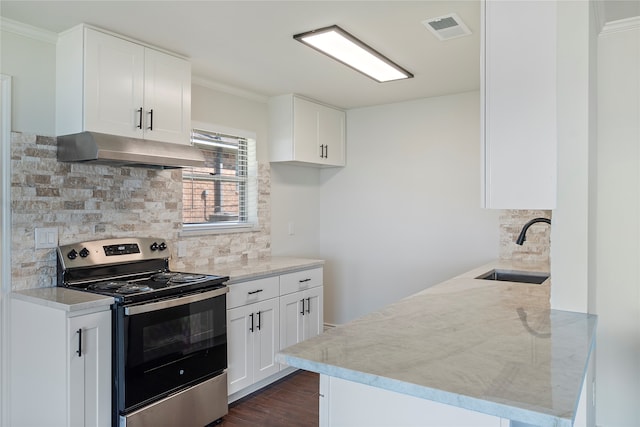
(261, 384)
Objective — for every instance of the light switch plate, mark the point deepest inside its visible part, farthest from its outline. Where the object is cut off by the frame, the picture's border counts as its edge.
(46, 238)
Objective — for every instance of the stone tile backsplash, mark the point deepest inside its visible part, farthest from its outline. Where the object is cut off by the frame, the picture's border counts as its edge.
(538, 243)
(89, 201)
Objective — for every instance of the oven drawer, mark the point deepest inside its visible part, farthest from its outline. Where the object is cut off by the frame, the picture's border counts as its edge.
(196, 406)
(300, 280)
(253, 291)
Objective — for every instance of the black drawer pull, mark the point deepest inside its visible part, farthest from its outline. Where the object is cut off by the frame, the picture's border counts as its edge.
(259, 320)
(79, 342)
(251, 328)
(304, 280)
(302, 312)
(140, 122)
(255, 292)
(308, 305)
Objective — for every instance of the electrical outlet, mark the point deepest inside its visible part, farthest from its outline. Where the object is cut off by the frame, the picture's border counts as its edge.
(46, 238)
(182, 249)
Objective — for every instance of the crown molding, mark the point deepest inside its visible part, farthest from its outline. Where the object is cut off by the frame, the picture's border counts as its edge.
(231, 90)
(27, 30)
(626, 24)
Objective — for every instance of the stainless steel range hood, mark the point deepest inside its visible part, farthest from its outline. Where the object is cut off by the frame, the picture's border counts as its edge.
(117, 150)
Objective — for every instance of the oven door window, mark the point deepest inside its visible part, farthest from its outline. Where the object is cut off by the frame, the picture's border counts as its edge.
(168, 349)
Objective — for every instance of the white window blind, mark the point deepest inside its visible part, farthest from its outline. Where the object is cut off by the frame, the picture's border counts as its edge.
(223, 193)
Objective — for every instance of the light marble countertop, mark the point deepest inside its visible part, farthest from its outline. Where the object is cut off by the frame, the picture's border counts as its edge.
(492, 347)
(65, 299)
(256, 268)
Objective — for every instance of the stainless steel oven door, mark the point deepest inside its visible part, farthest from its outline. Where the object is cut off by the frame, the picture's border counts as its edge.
(165, 346)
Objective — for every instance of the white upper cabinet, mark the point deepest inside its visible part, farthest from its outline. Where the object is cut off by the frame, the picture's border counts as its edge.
(518, 92)
(167, 97)
(306, 132)
(113, 85)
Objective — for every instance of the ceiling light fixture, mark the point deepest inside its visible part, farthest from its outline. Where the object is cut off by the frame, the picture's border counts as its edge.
(335, 42)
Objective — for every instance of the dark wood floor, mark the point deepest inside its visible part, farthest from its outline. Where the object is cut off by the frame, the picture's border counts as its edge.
(292, 401)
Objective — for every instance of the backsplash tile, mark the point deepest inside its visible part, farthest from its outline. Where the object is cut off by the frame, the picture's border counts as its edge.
(538, 243)
(89, 201)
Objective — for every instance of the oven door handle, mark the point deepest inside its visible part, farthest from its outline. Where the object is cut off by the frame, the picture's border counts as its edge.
(175, 302)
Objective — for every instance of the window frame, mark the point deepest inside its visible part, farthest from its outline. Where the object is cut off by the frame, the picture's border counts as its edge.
(251, 223)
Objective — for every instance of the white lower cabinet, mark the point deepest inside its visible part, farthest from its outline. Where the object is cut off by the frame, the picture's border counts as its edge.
(301, 316)
(60, 366)
(264, 316)
(347, 403)
(252, 332)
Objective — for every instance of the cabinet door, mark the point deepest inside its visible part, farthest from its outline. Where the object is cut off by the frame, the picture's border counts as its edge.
(291, 321)
(331, 135)
(113, 86)
(313, 318)
(90, 369)
(519, 105)
(306, 116)
(167, 98)
(239, 348)
(265, 336)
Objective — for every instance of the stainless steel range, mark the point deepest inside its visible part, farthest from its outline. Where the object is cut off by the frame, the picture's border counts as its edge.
(169, 330)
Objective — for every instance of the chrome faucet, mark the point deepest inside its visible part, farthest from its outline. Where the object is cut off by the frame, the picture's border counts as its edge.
(523, 234)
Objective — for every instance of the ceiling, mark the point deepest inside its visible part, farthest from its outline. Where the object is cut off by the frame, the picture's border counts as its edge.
(248, 45)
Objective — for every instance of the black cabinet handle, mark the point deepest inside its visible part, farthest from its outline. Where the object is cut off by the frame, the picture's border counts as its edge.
(140, 118)
(259, 320)
(322, 151)
(251, 328)
(302, 312)
(151, 119)
(254, 292)
(326, 151)
(308, 305)
(304, 280)
(79, 342)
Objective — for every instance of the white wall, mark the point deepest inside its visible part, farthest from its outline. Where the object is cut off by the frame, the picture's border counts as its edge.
(404, 214)
(570, 230)
(618, 227)
(211, 104)
(30, 58)
(295, 203)
(5, 241)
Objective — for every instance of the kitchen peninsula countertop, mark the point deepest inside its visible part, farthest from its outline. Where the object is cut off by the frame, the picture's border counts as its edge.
(257, 268)
(487, 346)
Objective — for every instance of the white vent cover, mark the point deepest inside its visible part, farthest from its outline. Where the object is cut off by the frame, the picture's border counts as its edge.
(447, 27)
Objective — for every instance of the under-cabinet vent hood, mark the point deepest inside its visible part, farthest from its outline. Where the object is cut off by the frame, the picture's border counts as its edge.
(117, 150)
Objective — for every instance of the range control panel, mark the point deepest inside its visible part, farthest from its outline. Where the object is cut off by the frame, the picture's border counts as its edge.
(109, 251)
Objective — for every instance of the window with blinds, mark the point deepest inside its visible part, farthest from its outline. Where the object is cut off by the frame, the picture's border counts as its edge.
(223, 193)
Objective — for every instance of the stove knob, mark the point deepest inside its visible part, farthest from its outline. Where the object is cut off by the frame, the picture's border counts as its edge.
(162, 246)
(72, 254)
(154, 246)
(84, 252)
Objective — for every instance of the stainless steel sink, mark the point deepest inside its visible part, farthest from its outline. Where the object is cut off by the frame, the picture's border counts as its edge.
(515, 276)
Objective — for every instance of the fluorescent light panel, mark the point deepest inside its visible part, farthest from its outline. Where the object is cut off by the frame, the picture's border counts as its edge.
(338, 44)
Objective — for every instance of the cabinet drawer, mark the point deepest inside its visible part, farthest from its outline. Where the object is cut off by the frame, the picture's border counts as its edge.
(300, 280)
(253, 291)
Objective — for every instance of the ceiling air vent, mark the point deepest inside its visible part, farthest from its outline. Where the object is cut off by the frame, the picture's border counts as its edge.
(447, 27)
